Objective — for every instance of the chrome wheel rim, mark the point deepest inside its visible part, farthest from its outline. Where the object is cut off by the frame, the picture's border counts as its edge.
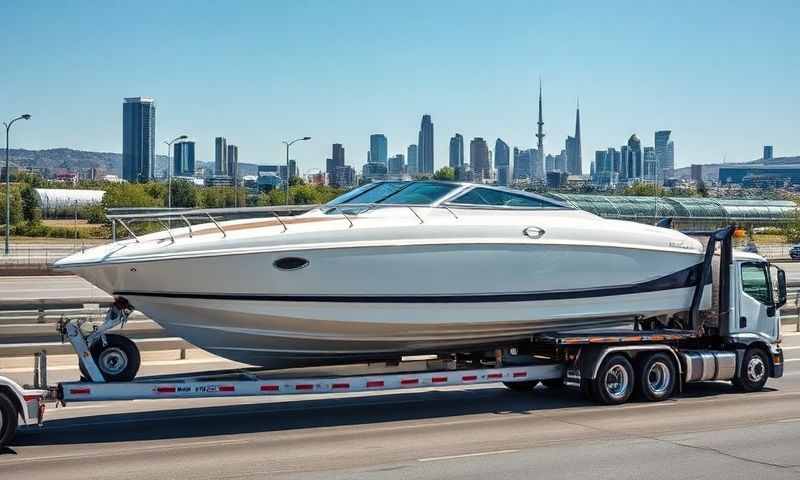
(659, 378)
(756, 369)
(112, 361)
(616, 382)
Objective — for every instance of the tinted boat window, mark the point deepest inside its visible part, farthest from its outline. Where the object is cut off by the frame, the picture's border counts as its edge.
(369, 193)
(488, 196)
(419, 193)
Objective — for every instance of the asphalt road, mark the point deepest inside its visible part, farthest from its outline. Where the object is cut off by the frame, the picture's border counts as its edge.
(478, 432)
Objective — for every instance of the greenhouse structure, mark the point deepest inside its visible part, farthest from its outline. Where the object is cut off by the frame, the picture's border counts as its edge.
(686, 212)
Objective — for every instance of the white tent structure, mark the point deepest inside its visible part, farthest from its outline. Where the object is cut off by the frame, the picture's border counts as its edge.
(59, 199)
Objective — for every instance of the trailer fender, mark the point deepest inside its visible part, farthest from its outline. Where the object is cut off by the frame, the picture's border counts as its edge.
(29, 403)
(592, 360)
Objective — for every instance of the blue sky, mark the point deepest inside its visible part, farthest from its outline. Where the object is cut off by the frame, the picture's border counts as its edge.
(723, 76)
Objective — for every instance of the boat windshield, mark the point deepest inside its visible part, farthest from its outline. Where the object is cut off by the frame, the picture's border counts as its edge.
(369, 193)
(502, 198)
(419, 193)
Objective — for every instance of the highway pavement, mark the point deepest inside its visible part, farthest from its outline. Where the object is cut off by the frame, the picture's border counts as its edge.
(452, 432)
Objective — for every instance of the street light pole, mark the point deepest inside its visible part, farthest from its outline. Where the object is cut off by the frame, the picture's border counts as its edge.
(169, 168)
(26, 116)
(289, 144)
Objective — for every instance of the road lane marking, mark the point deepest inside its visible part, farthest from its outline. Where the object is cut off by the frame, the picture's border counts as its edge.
(791, 348)
(789, 420)
(787, 360)
(466, 455)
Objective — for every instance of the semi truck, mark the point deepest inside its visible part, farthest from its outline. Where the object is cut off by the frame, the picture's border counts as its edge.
(737, 340)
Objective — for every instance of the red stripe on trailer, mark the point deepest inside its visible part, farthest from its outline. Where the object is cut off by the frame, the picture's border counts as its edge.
(469, 378)
(166, 389)
(227, 388)
(340, 385)
(409, 381)
(269, 388)
(520, 374)
(30, 398)
(80, 391)
(374, 383)
(439, 379)
(493, 376)
(304, 386)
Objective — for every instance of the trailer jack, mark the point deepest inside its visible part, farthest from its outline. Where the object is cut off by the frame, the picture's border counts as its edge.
(83, 334)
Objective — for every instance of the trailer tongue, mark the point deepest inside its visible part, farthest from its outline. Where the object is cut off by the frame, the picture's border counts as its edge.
(739, 341)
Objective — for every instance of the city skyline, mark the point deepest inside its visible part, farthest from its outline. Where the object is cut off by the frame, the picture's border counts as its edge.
(709, 79)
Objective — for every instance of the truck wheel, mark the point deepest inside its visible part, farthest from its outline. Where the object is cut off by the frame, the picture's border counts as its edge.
(527, 386)
(8, 419)
(656, 377)
(118, 361)
(614, 382)
(754, 371)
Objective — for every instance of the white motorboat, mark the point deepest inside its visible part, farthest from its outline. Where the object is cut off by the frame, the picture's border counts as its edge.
(396, 268)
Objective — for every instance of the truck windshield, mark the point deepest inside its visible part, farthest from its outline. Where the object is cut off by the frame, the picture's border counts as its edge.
(755, 282)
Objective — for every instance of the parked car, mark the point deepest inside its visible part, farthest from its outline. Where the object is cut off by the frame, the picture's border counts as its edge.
(794, 252)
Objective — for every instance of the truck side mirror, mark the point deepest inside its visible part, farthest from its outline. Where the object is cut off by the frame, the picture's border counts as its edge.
(781, 288)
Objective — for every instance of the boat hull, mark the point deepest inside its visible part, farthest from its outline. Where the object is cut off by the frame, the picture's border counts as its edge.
(381, 302)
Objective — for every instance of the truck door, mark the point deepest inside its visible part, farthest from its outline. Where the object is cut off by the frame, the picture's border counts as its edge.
(756, 307)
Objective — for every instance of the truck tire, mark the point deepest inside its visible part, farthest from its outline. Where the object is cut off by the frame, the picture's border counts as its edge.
(118, 361)
(656, 377)
(614, 382)
(526, 386)
(754, 371)
(8, 419)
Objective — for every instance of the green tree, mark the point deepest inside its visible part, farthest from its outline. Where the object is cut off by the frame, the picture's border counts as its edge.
(31, 210)
(16, 206)
(445, 173)
(184, 194)
(642, 189)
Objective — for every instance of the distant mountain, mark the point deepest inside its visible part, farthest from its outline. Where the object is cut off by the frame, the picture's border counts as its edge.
(56, 159)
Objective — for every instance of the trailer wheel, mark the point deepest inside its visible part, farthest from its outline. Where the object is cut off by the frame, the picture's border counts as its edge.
(118, 361)
(754, 371)
(656, 377)
(527, 386)
(8, 419)
(614, 382)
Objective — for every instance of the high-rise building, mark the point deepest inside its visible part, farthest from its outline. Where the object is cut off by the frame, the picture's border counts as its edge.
(633, 161)
(344, 176)
(479, 159)
(623, 155)
(378, 148)
(501, 162)
(183, 156)
(457, 151)
(524, 163)
(539, 140)
(615, 160)
(650, 164)
(425, 146)
(767, 153)
(220, 156)
(665, 164)
(397, 164)
(138, 139)
(697, 172)
(413, 166)
(232, 160)
(332, 164)
(571, 148)
(576, 167)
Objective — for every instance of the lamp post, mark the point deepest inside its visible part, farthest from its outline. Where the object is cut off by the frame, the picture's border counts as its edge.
(289, 144)
(26, 116)
(169, 168)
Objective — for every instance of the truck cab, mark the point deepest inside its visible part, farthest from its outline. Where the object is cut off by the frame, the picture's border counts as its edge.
(758, 292)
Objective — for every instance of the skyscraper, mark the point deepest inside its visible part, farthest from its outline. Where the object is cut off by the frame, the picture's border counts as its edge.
(634, 158)
(138, 139)
(378, 148)
(397, 164)
(650, 163)
(183, 156)
(413, 165)
(479, 159)
(577, 161)
(457, 151)
(539, 137)
(335, 162)
(232, 161)
(220, 156)
(501, 162)
(523, 163)
(425, 146)
(665, 162)
(767, 153)
(572, 148)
